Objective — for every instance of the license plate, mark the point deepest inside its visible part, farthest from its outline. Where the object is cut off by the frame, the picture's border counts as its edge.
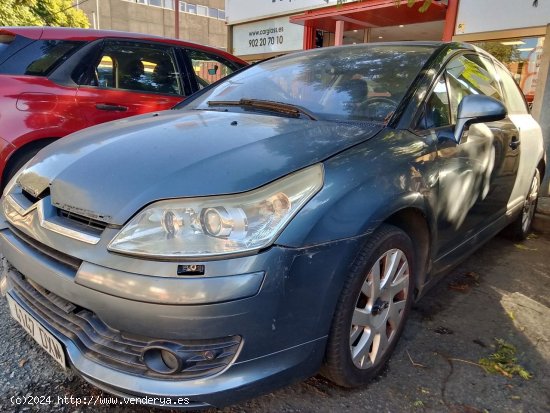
(43, 337)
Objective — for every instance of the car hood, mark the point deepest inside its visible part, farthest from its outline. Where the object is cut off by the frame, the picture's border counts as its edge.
(110, 171)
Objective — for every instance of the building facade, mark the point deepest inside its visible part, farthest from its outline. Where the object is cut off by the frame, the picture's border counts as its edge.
(200, 21)
(272, 27)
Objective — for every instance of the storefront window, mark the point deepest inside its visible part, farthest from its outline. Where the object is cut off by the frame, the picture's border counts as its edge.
(522, 57)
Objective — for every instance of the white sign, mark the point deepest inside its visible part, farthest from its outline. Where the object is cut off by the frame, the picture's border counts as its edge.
(246, 10)
(267, 36)
(476, 16)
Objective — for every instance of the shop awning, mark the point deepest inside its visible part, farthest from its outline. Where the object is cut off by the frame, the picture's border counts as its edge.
(370, 13)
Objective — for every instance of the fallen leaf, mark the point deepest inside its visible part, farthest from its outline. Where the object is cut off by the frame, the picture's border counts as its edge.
(418, 403)
(523, 247)
(473, 275)
(443, 330)
(458, 286)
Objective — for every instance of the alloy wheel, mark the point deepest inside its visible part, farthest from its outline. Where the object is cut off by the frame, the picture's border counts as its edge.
(379, 309)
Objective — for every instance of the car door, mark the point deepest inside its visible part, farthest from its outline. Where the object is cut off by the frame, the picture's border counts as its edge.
(529, 131)
(477, 172)
(130, 78)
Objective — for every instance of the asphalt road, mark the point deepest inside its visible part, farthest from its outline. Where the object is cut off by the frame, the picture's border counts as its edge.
(501, 292)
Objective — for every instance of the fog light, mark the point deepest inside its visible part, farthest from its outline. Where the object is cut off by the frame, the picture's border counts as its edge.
(161, 360)
(169, 359)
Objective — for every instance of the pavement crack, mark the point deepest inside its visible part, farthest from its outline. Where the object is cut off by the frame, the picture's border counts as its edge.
(446, 380)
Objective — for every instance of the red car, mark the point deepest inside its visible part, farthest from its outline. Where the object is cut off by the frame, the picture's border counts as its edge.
(55, 81)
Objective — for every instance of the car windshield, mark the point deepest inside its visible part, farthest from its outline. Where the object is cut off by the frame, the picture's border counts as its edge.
(360, 83)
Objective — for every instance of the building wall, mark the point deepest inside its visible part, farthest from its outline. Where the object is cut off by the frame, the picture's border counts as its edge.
(127, 15)
(475, 16)
(239, 11)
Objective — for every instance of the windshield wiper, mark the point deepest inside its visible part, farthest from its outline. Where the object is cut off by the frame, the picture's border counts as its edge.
(288, 109)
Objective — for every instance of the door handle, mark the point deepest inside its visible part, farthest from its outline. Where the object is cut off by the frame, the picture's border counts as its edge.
(514, 143)
(111, 108)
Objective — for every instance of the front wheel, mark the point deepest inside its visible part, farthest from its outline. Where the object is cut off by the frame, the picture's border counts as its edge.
(372, 309)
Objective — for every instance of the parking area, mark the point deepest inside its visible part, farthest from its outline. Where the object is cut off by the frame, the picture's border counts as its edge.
(502, 292)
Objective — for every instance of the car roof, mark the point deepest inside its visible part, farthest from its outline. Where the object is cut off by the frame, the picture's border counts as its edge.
(66, 33)
(437, 47)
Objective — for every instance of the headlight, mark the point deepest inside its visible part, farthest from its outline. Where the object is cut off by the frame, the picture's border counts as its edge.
(206, 226)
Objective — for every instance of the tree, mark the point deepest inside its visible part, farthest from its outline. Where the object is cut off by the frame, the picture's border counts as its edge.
(410, 3)
(61, 13)
(502, 52)
(425, 5)
(19, 13)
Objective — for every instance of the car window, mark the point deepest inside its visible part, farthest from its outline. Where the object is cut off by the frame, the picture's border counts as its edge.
(136, 67)
(467, 75)
(5, 41)
(40, 58)
(209, 68)
(437, 111)
(515, 102)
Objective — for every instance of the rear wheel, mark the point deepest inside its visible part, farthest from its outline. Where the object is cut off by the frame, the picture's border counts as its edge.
(520, 228)
(372, 309)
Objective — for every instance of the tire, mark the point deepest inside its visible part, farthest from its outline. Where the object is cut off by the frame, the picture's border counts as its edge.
(356, 349)
(520, 228)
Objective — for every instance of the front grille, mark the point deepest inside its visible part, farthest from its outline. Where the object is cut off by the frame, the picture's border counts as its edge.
(110, 347)
(72, 263)
(90, 223)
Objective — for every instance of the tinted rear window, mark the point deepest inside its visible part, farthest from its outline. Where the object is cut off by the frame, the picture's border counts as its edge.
(39, 58)
(5, 41)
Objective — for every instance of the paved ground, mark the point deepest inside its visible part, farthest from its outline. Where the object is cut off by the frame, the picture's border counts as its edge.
(505, 295)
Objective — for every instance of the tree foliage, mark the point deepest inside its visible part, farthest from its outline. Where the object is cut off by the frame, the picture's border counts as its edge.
(410, 3)
(502, 52)
(18, 13)
(60, 13)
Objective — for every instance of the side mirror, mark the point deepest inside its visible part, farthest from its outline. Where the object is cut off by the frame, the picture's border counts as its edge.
(476, 109)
